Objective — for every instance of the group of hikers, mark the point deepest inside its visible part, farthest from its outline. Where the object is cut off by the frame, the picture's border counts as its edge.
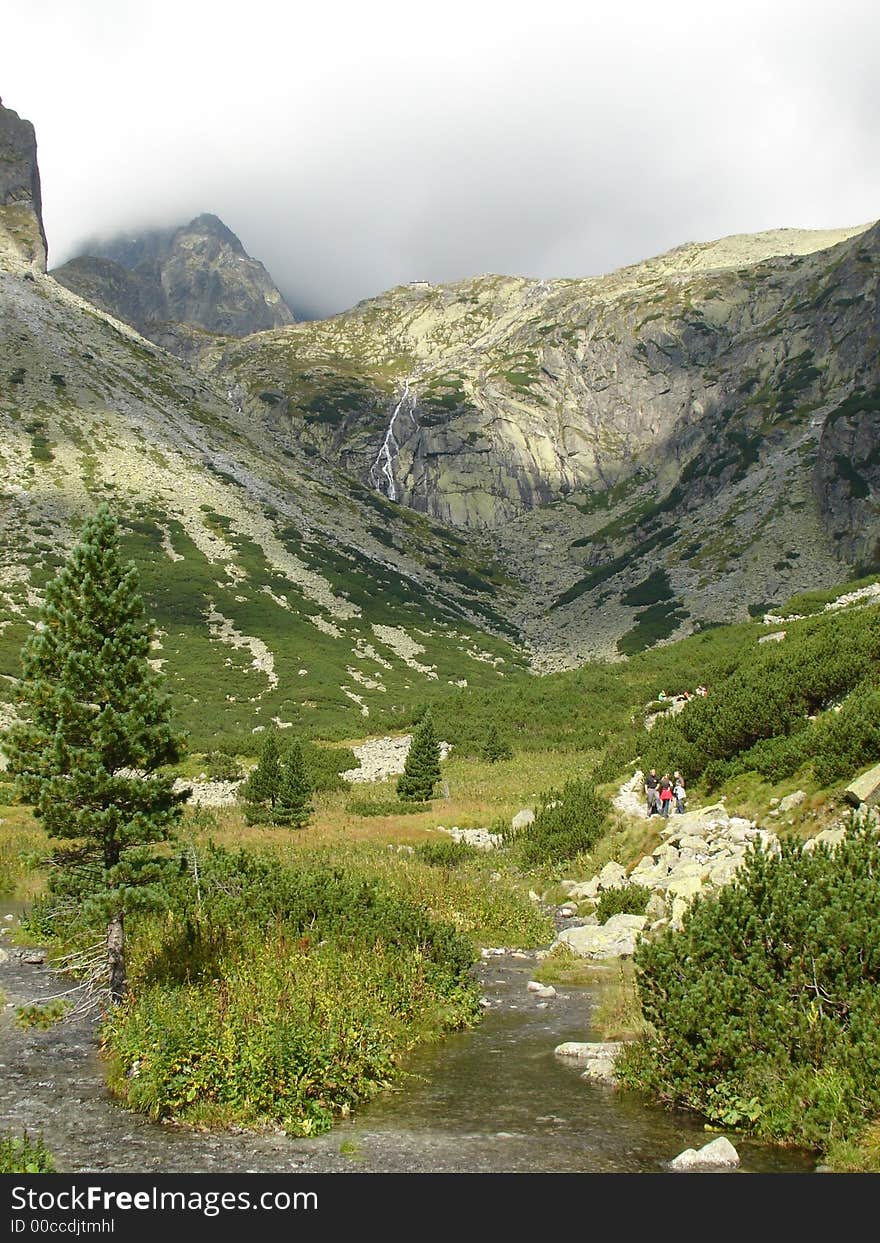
(660, 792)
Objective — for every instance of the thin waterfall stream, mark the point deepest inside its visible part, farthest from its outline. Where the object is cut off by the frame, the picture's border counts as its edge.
(494, 1099)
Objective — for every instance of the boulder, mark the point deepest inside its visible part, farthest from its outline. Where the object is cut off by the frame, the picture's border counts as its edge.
(865, 789)
(544, 991)
(720, 1154)
(613, 876)
(584, 1050)
(522, 819)
(792, 800)
(831, 837)
(616, 938)
(585, 889)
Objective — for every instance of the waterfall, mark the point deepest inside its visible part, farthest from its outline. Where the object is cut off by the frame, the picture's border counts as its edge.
(382, 470)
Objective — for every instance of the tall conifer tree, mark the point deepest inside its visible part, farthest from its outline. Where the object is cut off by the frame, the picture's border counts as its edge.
(261, 788)
(96, 729)
(421, 772)
(292, 805)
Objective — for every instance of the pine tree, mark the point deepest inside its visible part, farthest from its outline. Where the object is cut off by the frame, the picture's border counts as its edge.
(292, 805)
(421, 772)
(495, 748)
(261, 788)
(96, 729)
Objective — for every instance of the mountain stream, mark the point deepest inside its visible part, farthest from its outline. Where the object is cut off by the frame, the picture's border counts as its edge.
(494, 1099)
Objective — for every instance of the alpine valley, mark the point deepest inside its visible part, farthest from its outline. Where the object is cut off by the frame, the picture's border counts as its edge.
(445, 485)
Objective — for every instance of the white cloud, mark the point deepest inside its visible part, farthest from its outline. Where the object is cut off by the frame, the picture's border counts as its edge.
(352, 147)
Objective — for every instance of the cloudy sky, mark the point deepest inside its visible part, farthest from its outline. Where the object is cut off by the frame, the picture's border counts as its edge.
(356, 146)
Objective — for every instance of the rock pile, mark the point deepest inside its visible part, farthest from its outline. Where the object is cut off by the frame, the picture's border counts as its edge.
(700, 852)
(482, 839)
(209, 793)
(381, 758)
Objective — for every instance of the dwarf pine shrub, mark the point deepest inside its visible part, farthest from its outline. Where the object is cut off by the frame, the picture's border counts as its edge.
(765, 1006)
(759, 716)
(570, 820)
(629, 899)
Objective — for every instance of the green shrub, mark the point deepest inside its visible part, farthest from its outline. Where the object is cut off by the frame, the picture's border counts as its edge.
(570, 820)
(220, 766)
(446, 854)
(387, 807)
(495, 747)
(25, 1155)
(272, 994)
(629, 899)
(324, 765)
(772, 695)
(765, 1007)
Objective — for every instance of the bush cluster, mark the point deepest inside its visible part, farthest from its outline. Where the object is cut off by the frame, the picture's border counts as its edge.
(385, 807)
(268, 993)
(759, 717)
(629, 899)
(569, 821)
(765, 1006)
(24, 1155)
(446, 854)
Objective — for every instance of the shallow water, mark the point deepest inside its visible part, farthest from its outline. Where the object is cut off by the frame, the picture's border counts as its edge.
(491, 1100)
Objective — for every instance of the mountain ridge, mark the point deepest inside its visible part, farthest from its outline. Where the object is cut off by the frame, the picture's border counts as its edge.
(579, 468)
(196, 276)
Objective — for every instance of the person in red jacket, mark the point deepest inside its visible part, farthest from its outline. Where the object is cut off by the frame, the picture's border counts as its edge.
(665, 793)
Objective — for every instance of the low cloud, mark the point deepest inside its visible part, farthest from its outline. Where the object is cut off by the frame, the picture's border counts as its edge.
(358, 147)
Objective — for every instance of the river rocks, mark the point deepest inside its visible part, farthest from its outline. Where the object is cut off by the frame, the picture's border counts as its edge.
(616, 938)
(700, 852)
(542, 991)
(720, 1154)
(599, 1058)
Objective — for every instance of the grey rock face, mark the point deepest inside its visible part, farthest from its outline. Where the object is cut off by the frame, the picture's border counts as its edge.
(198, 275)
(21, 210)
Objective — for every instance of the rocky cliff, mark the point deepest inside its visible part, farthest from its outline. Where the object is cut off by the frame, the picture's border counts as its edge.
(652, 451)
(21, 212)
(198, 276)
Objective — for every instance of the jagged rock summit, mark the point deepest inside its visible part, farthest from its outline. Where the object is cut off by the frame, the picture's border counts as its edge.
(198, 276)
(21, 212)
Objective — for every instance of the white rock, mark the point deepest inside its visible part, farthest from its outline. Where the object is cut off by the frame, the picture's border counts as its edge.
(719, 1154)
(589, 1050)
(792, 800)
(523, 818)
(612, 876)
(831, 837)
(586, 889)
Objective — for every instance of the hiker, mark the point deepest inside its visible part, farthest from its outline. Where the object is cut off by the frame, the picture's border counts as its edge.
(665, 793)
(651, 784)
(679, 792)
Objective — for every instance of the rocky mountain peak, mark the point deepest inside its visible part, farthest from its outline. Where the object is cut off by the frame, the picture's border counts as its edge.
(197, 275)
(21, 216)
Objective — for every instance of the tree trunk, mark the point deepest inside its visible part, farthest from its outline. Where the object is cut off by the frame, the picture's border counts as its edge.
(116, 957)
